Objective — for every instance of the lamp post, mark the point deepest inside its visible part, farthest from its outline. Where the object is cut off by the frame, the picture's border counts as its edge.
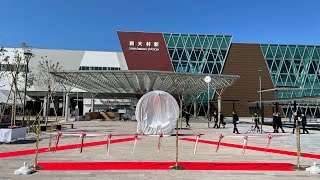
(27, 56)
(207, 79)
(260, 93)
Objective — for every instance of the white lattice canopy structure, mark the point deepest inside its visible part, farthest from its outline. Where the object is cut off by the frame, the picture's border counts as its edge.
(143, 81)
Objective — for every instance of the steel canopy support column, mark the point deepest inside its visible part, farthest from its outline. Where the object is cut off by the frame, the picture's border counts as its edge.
(63, 103)
(92, 104)
(219, 104)
(195, 107)
(56, 103)
(208, 79)
(260, 98)
(295, 106)
(181, 103)
(45, 106)
(208, 113)
(67, 111)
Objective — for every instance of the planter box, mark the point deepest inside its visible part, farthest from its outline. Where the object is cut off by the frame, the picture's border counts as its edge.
(48, 127)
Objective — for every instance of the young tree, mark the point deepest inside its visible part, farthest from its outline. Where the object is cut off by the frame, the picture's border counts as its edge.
(46, 81)
(3, 60)
(14, 70)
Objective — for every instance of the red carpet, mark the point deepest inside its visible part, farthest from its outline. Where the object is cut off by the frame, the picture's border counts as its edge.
(277, 151)
(73, 166)
(60, 148)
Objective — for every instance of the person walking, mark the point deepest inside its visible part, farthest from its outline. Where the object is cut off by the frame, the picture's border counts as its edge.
(221, 118)
(256, 121)
(187, 116)
(215, 119)
(304, 124)
(295, 121)
(279, 123)
(222, 122)
(235, 119)
(274, 123)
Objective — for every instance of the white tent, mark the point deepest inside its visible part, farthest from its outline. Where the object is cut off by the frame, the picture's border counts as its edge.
(157, 112)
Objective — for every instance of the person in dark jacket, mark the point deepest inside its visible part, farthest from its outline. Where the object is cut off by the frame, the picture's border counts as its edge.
(304, 124)
(235, 119)
(274, 123)
(256, 121)
(215, 119)
(221, 118)
(187, 116)
(295, 121)
(279, 123)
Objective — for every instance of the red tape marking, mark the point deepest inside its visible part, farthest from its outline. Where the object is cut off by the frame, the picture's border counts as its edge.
(72, 166)
(277, 151)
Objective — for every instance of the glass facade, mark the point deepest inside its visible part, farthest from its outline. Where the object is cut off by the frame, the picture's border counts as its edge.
(198, 53)
(294, 66)
(194, 53)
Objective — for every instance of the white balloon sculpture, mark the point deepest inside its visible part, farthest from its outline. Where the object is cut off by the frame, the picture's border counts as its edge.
(157, 112)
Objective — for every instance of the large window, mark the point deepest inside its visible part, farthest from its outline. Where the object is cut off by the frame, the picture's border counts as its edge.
(86, 68)
(12, 67)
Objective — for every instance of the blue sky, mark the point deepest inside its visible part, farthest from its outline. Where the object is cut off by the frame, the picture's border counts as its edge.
(92, 24)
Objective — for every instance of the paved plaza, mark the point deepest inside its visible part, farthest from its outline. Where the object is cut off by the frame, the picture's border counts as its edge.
(147, 151)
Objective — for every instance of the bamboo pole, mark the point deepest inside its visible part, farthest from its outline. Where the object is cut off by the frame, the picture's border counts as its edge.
(298, 143)
(177, 147)
(36, 167)
(181, 104)
(176, 166)
(14, 106)
(177, 134)
(50, 141)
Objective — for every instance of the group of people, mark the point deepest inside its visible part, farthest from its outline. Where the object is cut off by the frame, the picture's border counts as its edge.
(218, 120)
(300, 120)
(277, 123)
(256, 122)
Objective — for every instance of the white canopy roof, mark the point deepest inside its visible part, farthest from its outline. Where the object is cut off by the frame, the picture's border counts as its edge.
(142, 81)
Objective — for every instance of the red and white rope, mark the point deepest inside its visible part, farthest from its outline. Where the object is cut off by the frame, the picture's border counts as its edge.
(57, 141)
(135, 136)
(196, 144)
(83, 134)
(108, 143)
(218, 145)
(160, 136)
(245, 143)
(269, 141)
(159, 142)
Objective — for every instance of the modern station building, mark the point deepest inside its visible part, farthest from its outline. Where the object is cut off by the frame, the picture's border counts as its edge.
(288, 74)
